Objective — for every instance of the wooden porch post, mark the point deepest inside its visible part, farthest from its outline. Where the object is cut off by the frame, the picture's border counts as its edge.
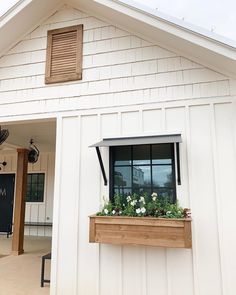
(19, 212)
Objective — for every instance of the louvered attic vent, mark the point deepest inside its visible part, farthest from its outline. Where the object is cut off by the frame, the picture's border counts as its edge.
(64, 54)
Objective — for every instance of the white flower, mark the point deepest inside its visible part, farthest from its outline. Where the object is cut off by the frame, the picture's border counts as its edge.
(138, 211)
(143, 210)
(120, 212)
(106, 211)
(113, 212)
(154, 196)
(142, 200)
(133, 203)
(168, 212)
(128, 199)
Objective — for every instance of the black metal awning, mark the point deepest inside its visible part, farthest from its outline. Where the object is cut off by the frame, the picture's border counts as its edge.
(139, 140)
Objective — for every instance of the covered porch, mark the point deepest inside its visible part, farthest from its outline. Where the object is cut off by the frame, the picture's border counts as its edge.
(21, 274)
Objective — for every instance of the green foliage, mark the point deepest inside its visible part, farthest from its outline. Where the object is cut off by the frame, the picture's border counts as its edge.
(145, 205)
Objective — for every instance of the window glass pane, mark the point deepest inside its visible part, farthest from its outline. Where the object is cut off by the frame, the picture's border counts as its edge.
(35, 187)
(162, 153)
(34, 178)
(122, 176)
(41, 178)
(29, 178)
(122, 155)
(141, 176)
(143, 169)
(122, 191)
(165, 193)
(162, 176)
(40, 187)
(141, 154)
(142, 190)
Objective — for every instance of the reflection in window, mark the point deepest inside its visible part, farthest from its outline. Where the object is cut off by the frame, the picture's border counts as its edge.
(143, 169)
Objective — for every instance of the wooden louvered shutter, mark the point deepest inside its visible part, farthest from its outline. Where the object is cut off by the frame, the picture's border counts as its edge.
(64, 54)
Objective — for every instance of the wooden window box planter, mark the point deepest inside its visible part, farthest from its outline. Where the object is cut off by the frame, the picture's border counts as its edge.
(146, 231)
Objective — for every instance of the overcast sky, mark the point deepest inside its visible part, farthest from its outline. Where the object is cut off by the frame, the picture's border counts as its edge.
(216, 15)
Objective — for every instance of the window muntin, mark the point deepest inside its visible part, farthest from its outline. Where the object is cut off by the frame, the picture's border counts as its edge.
(35, 187)
(143, 168)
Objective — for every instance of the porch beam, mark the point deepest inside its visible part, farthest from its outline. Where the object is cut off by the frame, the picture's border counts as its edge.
(19, 211)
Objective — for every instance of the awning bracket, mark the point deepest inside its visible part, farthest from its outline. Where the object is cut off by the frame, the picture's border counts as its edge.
(101, 165)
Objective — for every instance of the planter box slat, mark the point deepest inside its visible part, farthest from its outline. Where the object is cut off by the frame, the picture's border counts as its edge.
(139, 229)
(145, 231)
(139, 221)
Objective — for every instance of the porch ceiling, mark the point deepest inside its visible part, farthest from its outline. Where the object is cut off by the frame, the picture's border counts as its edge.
(43, 134)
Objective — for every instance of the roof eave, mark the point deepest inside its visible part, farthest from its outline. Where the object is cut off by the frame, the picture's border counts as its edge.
(204, 49)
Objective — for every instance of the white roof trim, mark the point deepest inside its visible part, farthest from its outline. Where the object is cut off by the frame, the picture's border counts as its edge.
(180, 23)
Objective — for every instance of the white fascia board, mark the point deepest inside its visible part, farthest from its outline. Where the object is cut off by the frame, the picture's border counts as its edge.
(14, 10)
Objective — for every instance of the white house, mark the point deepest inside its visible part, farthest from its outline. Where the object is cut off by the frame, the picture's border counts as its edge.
(113, 70)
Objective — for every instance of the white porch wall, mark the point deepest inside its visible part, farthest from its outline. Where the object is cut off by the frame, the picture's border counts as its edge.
(131, 87)
(36, 212)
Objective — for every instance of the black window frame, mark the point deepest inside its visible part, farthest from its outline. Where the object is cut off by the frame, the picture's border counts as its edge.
(41, 199)
(111, 168)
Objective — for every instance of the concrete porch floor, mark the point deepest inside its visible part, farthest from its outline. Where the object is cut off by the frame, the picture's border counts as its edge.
(20, 275)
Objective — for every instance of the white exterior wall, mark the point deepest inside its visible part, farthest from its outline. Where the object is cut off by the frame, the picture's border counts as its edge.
(131, 87)
(36, 211)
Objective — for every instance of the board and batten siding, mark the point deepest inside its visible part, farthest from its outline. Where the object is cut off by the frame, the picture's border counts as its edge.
(131, 87)
(208, 188)
(38, 212)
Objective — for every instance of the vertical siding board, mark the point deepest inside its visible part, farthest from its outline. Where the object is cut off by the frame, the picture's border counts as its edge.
(226, 157)
(111, 260)
(130, 123)
(89, 203)
(132, 260)
(50, 187)
(179, 261)
(155, 258)
(203, 202)
(67, 238)
(132, 270)
(152, 121)
(156, 272)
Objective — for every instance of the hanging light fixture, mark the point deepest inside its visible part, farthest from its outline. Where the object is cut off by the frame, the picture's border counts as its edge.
(4, 133)
(33, 154)
(3, 164)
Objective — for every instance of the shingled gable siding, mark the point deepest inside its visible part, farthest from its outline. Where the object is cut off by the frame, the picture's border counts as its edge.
(64, 54)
